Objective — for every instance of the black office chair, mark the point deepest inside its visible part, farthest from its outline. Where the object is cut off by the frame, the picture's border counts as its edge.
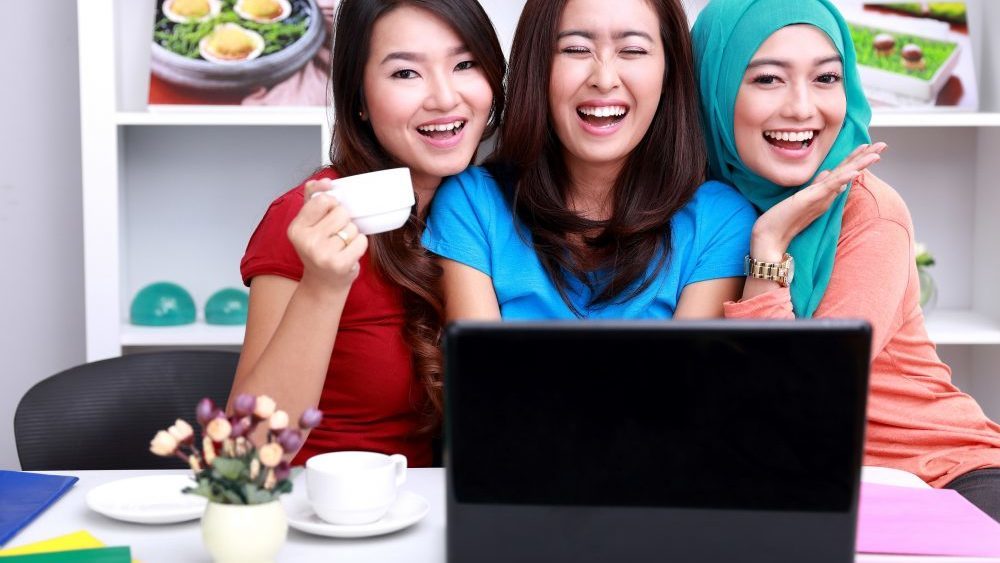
(102, 415)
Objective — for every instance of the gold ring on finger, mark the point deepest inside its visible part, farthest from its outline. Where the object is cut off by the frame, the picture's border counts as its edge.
(344, 236)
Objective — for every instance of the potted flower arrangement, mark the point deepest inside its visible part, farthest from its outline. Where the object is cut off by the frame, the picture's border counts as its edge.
(928, 289)
(244, 520)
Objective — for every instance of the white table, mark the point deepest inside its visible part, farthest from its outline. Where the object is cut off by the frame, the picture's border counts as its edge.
(422, 543)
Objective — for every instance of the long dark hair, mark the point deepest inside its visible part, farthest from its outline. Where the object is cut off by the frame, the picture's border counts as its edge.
(398, 254)
(659, 176)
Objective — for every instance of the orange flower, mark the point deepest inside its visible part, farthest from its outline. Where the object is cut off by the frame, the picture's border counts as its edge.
(181, 431)
(218, 429)
(270, 454)
(265, 407)
(278, 421)
(163, 444)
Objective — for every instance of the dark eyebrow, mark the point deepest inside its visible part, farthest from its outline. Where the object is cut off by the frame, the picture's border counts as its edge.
(617, 34)
(416, 57)
(576, 32)
(785, 64)
(632, 33)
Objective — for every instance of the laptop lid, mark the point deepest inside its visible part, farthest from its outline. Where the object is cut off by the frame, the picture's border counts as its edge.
(714, 441)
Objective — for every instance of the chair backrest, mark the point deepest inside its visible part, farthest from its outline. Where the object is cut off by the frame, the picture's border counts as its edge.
(102, 415)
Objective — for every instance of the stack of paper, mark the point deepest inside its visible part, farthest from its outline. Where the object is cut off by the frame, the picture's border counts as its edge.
(25, 496)
(78, 546)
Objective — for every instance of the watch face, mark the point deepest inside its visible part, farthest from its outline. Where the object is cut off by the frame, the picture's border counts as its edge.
(790, 265)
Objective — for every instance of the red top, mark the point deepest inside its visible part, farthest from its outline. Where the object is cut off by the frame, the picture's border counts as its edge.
(371, 399)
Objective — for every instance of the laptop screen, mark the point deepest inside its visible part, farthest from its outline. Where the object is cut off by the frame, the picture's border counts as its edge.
(755, 416)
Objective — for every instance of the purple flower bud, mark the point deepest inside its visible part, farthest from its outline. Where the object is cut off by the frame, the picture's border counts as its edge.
(244, 404)
(282, 471)
(310, 418)
(240, 426)
(290, 439)
(205, 411)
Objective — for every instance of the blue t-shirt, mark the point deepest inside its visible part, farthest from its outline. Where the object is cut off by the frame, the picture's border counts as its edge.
(472, 223)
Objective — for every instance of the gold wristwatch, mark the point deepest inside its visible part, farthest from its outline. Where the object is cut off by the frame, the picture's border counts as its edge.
(782, 272)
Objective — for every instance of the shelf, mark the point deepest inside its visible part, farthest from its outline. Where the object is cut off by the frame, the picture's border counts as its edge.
(198, 334)
(961, 327)
(224, 116)
(936, 119)
(946, 327)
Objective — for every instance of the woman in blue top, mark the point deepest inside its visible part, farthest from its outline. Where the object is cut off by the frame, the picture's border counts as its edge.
(592, 206)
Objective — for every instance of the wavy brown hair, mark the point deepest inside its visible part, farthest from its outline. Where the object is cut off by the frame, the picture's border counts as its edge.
(398, 254)
(659, 177)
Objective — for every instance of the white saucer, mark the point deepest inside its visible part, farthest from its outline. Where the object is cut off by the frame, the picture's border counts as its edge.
(408, 509)
(152, 499)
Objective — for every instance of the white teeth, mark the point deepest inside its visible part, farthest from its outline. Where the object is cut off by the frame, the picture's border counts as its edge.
(441, 127)
(604, 111)
(797, 136)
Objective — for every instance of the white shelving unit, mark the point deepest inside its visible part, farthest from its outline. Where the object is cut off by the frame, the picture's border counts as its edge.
(174, 195)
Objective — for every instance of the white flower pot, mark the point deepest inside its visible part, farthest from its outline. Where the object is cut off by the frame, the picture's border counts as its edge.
(236, 533)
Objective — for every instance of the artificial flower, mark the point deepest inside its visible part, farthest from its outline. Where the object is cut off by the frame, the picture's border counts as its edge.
(205, 411)
(244, 404)
(181, 431)
(218, 429)
(163, 444)
(270, 454)
(278, 421)
(265, 407)
(310, 418)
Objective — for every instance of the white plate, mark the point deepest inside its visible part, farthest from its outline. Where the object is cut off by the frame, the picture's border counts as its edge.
(152, 499)
(408, 509)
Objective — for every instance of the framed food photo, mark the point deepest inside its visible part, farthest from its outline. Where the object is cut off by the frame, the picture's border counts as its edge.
(912, 56)
(240, 53)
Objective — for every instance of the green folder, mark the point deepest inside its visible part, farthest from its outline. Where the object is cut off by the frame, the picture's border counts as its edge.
(121, 554)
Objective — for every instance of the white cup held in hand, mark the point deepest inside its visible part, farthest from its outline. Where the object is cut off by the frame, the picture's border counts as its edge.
(353, 487)
(377, 201)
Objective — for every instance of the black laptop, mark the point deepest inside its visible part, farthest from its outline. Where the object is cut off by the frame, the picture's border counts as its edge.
(718, 441)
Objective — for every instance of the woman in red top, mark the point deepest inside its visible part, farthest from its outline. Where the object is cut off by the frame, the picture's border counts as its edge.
(352, 323)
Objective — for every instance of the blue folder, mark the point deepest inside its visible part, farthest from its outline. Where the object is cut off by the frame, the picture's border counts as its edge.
(23, 496)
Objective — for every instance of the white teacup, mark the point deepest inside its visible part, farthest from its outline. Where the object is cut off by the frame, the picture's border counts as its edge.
(353, 487)
(377, 201)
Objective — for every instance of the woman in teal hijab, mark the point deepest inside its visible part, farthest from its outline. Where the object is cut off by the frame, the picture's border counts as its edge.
(786, 122)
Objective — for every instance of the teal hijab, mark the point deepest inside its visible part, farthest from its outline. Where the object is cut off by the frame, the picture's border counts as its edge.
(726, 36)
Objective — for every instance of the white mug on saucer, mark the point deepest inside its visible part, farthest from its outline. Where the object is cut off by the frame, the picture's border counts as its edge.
(353, 487)
(377, 201)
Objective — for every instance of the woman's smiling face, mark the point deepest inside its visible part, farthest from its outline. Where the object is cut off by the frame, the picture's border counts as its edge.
(606, 79)
(426, 97)
(790, 106)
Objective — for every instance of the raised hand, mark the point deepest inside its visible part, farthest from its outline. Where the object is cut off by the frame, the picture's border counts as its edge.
(776, 228)
(326, 240)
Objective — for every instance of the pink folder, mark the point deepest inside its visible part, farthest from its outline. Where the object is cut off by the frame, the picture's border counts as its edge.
(910, 521)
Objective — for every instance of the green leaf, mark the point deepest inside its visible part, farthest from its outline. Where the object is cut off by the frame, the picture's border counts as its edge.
(229, 468)
(283, 486)
(232, 497)
(257, 495)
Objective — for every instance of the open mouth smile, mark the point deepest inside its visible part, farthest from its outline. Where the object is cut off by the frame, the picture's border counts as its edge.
(791, 140)
(602, 117)
(442, 131)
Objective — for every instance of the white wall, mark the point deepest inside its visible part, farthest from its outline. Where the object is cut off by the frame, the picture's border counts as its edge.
(504, 14)
(41, 255)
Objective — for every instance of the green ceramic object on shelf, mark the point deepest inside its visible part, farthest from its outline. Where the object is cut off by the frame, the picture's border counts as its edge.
(227, 307)
(162, 304)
